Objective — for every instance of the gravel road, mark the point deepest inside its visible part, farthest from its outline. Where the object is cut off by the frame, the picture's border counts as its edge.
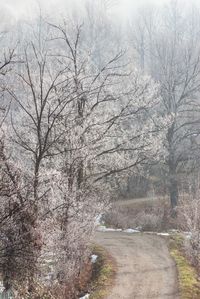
(144, 266)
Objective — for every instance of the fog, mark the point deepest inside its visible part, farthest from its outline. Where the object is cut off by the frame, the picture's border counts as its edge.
(26, 9)
(99, 110)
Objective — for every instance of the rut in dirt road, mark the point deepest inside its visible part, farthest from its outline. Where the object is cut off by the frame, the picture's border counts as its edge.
(144, 266)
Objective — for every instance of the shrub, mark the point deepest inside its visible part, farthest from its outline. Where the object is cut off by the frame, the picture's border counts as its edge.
(148, 215)
(189, 221)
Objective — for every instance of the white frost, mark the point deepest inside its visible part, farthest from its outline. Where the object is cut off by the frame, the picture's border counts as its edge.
(102, 228)
(1, 287)
(87, 296)
(94, 258)
(98, 219)
(163, 234)
(131, 231)
(188, 235)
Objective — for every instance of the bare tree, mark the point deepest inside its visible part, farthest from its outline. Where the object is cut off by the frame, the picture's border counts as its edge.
(76, 128)
(174, 54)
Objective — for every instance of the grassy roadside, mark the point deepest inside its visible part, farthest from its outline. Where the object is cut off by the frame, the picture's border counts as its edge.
(103, 273)
(189, 285)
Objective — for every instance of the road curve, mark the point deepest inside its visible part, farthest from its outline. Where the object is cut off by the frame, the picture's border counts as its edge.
(144, 266)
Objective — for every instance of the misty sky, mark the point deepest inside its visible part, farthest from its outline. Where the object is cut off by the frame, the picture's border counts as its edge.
(14, 10)
(24, 8)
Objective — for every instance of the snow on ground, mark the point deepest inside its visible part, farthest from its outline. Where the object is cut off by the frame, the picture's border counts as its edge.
(1, 287)
(94, 258)
(87, 296)
(163, 234)
(103, 228)
(131, 231)
(188, 235)
(99, 219)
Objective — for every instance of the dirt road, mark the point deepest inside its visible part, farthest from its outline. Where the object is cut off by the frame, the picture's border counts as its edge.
(145, 268)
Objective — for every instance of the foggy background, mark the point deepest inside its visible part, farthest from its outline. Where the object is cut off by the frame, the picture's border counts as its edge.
(26, 9)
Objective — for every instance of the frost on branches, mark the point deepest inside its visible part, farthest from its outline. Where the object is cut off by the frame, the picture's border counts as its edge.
(71, 129)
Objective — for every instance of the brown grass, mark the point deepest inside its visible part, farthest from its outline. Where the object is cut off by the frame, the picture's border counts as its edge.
(149, 214)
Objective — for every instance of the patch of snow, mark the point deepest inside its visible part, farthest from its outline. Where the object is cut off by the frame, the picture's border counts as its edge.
(158, 234)
(138, 228)
(94, 258)
(1, 287)
(131, 231)
(98, 219)
(87, 296)
(188, 235)
(102, 228)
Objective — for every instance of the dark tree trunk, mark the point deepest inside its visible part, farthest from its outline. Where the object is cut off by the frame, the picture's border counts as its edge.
(173, 192)
(172, 168)
(173, 184)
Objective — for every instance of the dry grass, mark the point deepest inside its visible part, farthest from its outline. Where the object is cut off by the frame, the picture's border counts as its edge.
(95, 279)
(141, 202)
(150, 214)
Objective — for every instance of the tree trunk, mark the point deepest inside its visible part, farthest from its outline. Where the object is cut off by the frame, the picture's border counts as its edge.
(173, 191)
(172, 166)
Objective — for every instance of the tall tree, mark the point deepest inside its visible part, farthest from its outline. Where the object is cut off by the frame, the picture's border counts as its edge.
(174, 63)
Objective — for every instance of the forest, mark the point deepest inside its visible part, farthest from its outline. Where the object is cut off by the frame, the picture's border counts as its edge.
(99, 129)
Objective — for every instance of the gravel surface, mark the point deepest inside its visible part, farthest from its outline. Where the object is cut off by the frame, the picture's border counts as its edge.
(144, 266)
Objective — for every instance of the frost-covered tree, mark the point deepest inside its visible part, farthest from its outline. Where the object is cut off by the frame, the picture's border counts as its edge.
(170, 53)
(72, 128)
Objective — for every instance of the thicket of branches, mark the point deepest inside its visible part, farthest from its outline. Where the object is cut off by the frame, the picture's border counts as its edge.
(69, 128)
(166, 45)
